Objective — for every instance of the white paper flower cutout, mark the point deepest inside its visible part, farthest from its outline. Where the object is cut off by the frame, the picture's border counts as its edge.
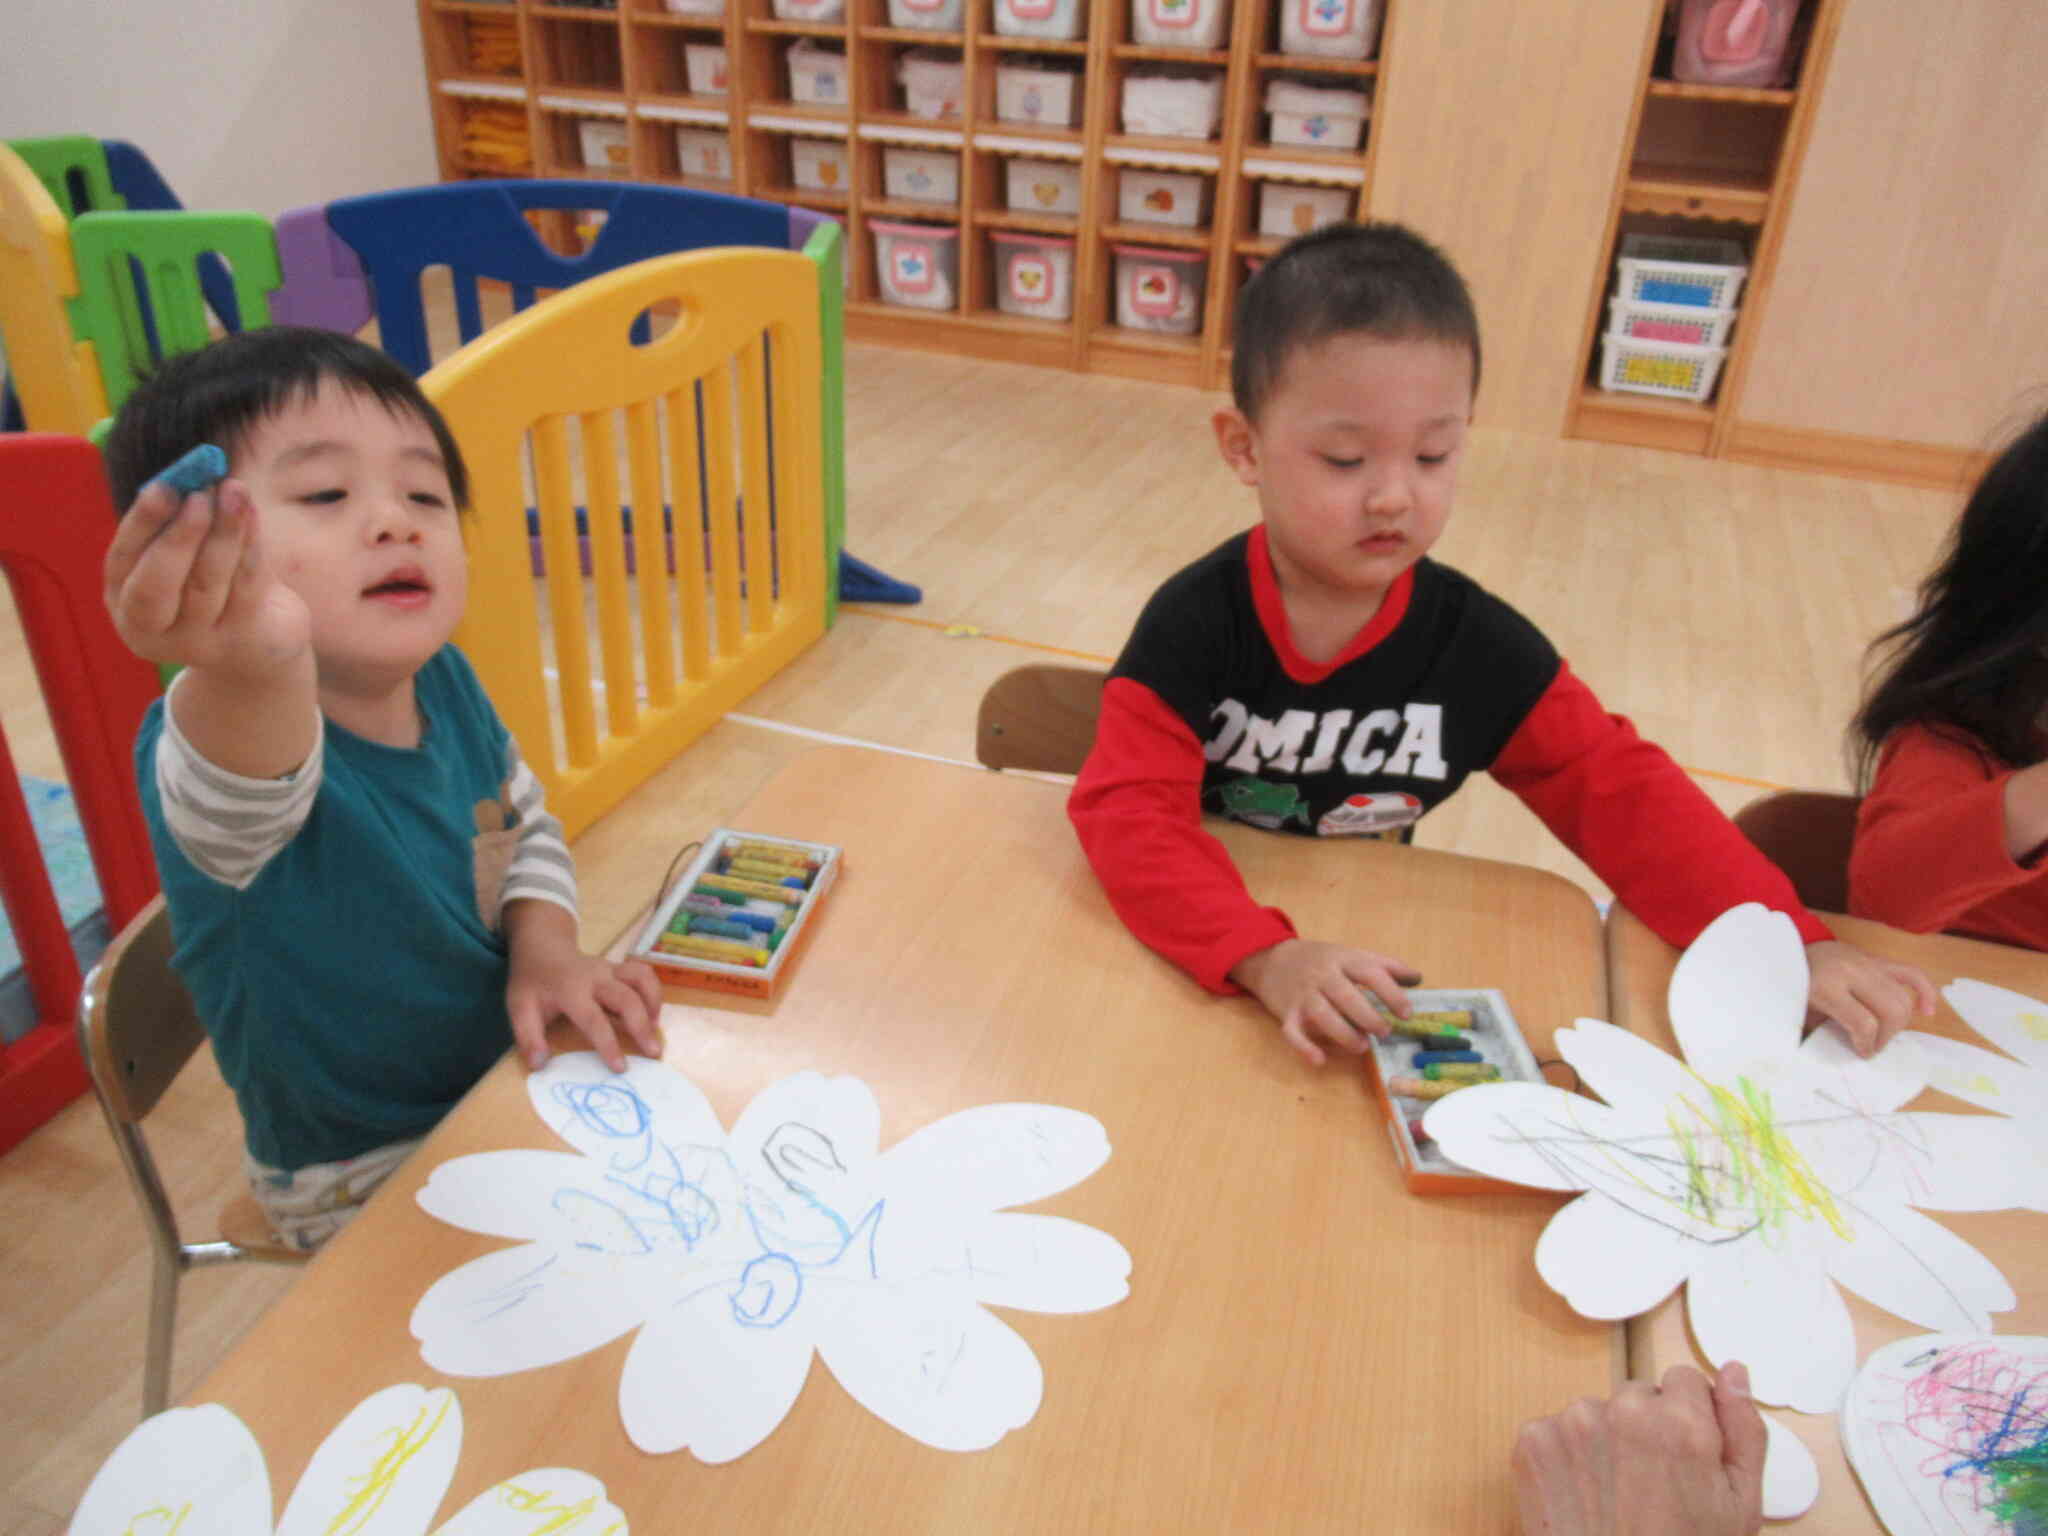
(737, 1254)
(381, 1472)
(1761, 1172)
(2016, 1024)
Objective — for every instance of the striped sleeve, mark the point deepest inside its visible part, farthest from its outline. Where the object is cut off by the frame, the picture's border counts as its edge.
(229, 826)
(541, 868)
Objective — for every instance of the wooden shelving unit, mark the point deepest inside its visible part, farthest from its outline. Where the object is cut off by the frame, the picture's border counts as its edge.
(1703, 160)
(562, 67)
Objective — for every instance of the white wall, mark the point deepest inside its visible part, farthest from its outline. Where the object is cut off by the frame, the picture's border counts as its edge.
(259, 104)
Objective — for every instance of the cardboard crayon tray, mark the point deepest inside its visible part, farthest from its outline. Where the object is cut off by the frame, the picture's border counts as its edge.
(1495, 1035)
(712, 876)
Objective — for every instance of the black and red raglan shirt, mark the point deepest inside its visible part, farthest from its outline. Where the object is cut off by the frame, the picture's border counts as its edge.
(1210, 708)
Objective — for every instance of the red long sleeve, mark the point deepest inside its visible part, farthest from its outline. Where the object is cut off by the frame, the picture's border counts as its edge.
(1621, 804)
(1930, 845)
(1137, 807)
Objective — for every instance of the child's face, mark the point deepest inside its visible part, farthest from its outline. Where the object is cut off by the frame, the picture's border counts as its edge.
(356, 516)
(1354, 455)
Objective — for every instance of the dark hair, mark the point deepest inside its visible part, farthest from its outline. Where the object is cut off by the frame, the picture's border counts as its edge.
(218, 393)
(1973, 660)
(1379, 280)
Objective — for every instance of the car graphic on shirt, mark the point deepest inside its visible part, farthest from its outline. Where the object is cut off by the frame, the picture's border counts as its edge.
(1262, 804)
(1370, 815)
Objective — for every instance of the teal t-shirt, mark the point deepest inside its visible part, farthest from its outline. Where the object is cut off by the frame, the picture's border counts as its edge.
(353, 990)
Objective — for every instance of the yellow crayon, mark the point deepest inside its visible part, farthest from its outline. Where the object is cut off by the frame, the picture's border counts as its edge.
(1444, 1019)
(1461, 1072)
(702, 947)
(761, 890)
(757, 869)
(1418, 1088)
(773, 853)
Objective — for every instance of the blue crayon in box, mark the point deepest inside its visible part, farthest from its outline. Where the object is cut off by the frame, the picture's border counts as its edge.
(776, 896)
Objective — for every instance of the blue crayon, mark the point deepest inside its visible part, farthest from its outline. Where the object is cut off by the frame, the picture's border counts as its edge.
(1422, 1059)
(203, 466)
(721, 928)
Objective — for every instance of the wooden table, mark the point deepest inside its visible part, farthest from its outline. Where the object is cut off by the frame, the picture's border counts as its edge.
(1305, 1346)
(1639, 974)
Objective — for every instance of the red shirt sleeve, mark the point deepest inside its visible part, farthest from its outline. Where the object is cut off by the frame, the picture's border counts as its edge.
(1138, 809)
(1930, 835)
(1621, 804)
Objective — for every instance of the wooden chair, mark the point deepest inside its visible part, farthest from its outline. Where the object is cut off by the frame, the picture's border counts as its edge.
(136, 1030)
(1039, 717)
(1807, 834)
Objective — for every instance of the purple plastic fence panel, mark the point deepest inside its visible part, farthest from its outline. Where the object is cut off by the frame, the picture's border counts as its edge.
(324, 284)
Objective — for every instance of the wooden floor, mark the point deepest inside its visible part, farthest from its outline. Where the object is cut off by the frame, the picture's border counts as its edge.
(1723, 608)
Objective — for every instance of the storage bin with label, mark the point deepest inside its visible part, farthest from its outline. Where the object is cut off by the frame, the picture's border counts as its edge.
(817, 74)
(1734, 42)
(1329, 29)
(1160, 197)
(921, 175)
(1032, 91)
(1040, 18)
(1034, 275)
(916, 264)
(695, 7)
(931, 82)
(925, 15)
(1287, 209)
(704, 154)
(604, 144)
(1668, 368)
(1043, 186)
(819, 164)
(1312, 115)
(1182, 106)
(1676, 269)
(704, 67)
(809, 10)
(1159, 290)
(1686, 323)
(1179, 23)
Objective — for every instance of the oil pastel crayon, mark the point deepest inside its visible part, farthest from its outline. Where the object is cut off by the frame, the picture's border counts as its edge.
(727, 888)
(774, 874)
(1420, 1088)
(745, 849)
(1420, 1027)
(731, 951)
(1445, 1019)
(1423, 1059)
(732, 912)
(1421, 1137)
(1462, 1072)
(203, 466)
(720, 928)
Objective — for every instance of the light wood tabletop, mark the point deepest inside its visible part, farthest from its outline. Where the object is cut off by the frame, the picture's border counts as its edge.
(1639, 974)
(1305, 1346)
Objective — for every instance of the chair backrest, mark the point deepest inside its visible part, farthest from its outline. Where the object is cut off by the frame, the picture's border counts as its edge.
(1807, 834)
(56, 376)
(55, 524)
(480, 230)
(1039, 717)
(718, 424)
(138, 1027)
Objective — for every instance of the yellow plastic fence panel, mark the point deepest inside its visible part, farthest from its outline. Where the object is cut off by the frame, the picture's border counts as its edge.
(657, 610)
(56, 376)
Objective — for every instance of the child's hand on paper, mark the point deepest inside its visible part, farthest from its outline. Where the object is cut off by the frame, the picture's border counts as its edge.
(552, 978)
(1871, 999)
(1323, 991)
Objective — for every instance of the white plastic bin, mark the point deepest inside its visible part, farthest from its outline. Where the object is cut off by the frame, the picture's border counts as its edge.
(1667, 368)
(1159, 290)
(1287, 208)
(1687, 324)
(1161, 197)
(1329, 29)
(1031, 92)
(604, 144)
(1043, 186)
(1040, 18)
(925, 15)
(1317, 117)
(809, 10)
(704, 154)
(695, 7)
(1034, 275)
(1670, 269)
(916, 265)
(921, 175)
(1179, 106)
(704, 67)
(1179, 23)
(817, 74)
(1734, 42)
(819, 164)
(931, 83)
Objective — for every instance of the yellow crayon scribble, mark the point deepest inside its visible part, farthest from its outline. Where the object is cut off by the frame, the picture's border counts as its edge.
(374, 1487)
(153, 1516)
(536, 1501)
(1981, 1083)
(1737, 1157)
(2035, 1024)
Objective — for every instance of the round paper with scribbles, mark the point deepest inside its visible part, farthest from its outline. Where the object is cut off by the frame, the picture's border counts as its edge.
(738, 1254)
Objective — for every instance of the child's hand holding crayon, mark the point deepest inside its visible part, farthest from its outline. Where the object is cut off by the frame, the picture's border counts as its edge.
(1323, 991)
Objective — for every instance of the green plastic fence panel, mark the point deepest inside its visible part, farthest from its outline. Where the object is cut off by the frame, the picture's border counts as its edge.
(166, 247)
(56, 160)
(827, 248)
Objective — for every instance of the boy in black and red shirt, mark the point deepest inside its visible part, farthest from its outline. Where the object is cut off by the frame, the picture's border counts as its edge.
(1320, 675)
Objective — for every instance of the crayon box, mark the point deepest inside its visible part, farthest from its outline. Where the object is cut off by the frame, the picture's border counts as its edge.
(736, 919)
(1484, 1027)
